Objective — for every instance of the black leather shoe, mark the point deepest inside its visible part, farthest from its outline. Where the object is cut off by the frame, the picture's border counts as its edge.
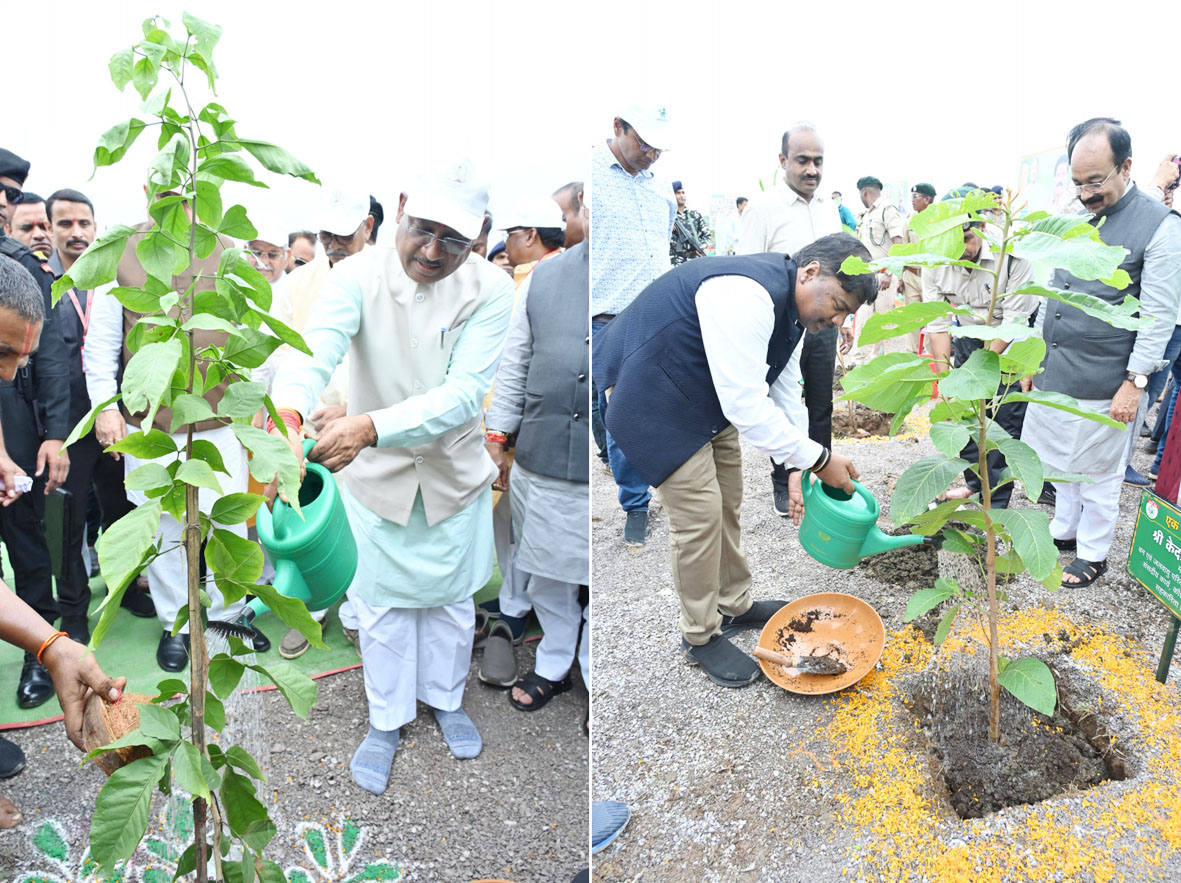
(12, 759)
(138, 602)
(173, 653)
(36, 686)
(260, 641)
(77, 628)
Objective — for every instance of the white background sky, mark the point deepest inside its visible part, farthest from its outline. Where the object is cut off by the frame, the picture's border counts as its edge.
(922, 90)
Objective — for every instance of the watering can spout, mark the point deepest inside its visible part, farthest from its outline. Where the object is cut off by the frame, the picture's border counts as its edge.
(877, 542)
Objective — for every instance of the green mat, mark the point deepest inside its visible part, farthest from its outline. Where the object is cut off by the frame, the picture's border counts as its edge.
(129, 650)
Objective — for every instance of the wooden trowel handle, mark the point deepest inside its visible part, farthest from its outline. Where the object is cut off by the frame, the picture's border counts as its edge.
(772, 656)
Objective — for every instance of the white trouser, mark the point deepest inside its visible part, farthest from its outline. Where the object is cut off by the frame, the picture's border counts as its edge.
(584, 653)
(558, 612)
(1088, 512)
(414, 654)
(168, 574)
(514, 594)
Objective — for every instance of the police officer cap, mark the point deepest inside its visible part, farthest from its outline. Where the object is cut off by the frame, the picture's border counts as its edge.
(869, 181)
(677, 186)
(12, 166)
(924, 189)
(957, 193)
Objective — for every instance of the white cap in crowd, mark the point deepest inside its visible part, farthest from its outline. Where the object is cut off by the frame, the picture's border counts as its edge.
(650, 122)
(536, 211)
(343, 211)
(453, 194)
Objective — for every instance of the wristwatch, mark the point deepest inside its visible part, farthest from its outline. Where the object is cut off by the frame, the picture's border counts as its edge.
(1140, 381)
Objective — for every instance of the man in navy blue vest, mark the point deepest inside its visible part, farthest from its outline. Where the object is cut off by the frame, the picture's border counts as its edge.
(706, 353)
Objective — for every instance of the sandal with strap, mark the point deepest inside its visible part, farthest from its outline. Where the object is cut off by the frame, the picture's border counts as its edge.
(539, 689)
(1086, 571)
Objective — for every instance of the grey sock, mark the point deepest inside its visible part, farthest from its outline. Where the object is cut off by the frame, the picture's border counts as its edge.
(460, 733)
(372, 761)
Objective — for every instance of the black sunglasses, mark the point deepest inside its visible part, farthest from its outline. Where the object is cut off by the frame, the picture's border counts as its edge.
(14, 195)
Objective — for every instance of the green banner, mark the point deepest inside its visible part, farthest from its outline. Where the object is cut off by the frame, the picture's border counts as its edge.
(1154, 560)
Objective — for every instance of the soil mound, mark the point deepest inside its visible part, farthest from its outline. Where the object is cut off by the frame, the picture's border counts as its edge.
(864, 422)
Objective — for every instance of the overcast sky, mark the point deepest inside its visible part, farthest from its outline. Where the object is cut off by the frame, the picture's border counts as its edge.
(911, 91)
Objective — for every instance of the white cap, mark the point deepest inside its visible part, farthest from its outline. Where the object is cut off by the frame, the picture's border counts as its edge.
(270, 228)
(649, 121)
(343, 211)
(537, 211)
(452, 194)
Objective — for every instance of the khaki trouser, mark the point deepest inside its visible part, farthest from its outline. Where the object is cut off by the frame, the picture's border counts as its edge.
(912, 293)
(884, 303)
(702, 499)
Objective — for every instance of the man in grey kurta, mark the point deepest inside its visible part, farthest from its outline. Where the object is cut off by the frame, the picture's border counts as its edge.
(1104, 367)
(542, 393)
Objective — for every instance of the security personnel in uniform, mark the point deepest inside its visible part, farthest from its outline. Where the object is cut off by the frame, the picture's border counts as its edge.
(36, 419)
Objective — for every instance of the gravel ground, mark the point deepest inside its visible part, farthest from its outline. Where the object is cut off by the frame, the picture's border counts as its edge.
(440, 820)
(728, 784)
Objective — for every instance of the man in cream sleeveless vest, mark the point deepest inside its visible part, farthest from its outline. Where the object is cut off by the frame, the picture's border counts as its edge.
(423, 324)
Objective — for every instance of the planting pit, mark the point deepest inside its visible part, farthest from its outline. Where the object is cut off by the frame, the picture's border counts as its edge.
(863, 423)
(1037, 758)
(910, 568)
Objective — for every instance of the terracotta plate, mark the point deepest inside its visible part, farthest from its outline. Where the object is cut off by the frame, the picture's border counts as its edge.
(830, 623)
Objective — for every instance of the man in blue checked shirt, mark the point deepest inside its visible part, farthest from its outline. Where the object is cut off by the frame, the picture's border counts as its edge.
(632, 220)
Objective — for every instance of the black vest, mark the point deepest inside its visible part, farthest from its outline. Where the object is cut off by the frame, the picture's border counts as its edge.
(663, 407)
(1085, 357)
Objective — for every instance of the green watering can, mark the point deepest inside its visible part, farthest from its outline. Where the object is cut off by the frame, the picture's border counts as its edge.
(315, 557)
(840, 529)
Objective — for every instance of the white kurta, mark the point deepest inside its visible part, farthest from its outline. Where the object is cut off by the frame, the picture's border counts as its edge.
(550, 517)
(1067, 443)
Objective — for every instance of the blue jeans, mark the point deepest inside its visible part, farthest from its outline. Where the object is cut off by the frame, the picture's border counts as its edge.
(633, 490)
(1165, 419)
(1156, 382)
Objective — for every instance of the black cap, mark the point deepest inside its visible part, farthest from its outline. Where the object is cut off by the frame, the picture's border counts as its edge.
(12, 166)
(677, 186)
(924, 189)
(869, 181)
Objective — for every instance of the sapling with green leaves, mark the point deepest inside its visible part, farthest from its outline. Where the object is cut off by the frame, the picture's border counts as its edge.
(1001, 542)
(199, 151)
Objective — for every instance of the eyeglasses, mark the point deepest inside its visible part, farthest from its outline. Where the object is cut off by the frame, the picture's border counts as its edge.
(1095, 188)
(522, 229)
(645, 146)
(271, 255)
(449, 244)
(14, 195)
(345, 238)
(299, 262)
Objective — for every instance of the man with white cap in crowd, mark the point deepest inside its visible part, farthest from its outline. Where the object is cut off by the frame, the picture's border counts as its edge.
(424, 324)
(632, 221)
(532, 234)
(343, 210)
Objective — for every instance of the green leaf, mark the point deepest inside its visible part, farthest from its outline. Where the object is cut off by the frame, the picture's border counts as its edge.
(950, 409)
(1062, 403)
(136, 299)
(98, 265)
(1023, 357)
(144, 77)
(121, 810)
(949, 438)
(928, 599)
(242, 399)
(889, 382)
(293, 613)
(1008, 331)
(240, 758)
(903, 320)
(977, 378)
(272, 873)
(288, 335)
(215, 712)
(186, 765)
(1120, 315)
(207, 451)
(148, 377)
(207, 34)
(276, 159)
(922, 482)
(198, 474)
(122, 546)
(120, 66)
(250, 348)
(86, 423)
(271, 456)
(208, 203)
(182, 615)
(168, 688)
(160, 256)
(1053, 582)
(1080, 256)
(258, 834)
(236, 225)
(945, 622)
(929, 522)
(260, 288)
(224, 674)
(958, 542)
(854, 266)
(297, 688)
(1030, 530)
(145, 445)
(1031, 682)
(1026, 465)
(229, 168)
(233, 557)
(238, 800)
(189, 408)
(1066, 226)
(159, 723)
(115, 142)
(235, 508)
(135, 737)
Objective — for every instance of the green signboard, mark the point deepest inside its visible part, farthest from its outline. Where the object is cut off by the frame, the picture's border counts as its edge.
(1154, 560)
